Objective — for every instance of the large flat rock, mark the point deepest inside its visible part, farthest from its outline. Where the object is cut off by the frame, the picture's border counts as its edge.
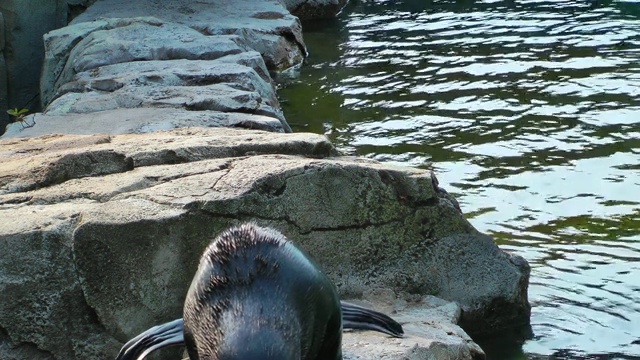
(120, 31)
(41, 162)
(216, 97)
(109, 229)
(314, 9)
(138, 120)
(87, 46)
(431, 332)
(145, 62)
(245, 71)
(266, 26)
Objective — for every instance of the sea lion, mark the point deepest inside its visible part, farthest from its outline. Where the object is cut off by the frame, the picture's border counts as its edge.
(256, 295)
(171, 333)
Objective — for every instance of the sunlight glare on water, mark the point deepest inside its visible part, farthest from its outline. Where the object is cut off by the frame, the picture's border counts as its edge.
(529, 112)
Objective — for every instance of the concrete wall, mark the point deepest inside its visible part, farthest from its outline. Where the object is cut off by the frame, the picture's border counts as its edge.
(21, 55)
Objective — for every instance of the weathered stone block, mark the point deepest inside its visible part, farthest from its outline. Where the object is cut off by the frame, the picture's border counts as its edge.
(118, 223)
(314, 9)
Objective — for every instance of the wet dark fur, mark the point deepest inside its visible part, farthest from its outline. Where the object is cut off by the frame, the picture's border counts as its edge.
(257, 296)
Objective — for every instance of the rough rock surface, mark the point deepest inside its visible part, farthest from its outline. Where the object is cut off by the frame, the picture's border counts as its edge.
(245, 71)
(26, 21)
(430, 332)
(109, 230)
(229, 85)
(118, 41)
(314, 9)
(265, 26)
(138, 120)
(152, 30)
(212, 55)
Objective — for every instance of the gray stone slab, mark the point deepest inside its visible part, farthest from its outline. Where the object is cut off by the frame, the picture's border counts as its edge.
(142, 76)
(75, 49)
(265, 26)
(314, 9)
(431, 332)
(216, 97)
(138, 120)
(119, 222)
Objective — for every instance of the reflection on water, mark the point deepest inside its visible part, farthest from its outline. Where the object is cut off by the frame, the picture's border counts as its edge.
(529, 111)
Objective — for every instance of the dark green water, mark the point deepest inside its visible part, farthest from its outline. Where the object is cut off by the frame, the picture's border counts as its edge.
(529, 112)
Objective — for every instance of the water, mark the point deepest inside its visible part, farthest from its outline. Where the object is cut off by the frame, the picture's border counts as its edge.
(529, 112)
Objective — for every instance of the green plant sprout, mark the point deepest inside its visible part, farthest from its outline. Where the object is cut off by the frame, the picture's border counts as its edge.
(20, 116)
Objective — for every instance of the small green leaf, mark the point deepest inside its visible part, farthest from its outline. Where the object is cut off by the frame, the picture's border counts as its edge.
(16, 112)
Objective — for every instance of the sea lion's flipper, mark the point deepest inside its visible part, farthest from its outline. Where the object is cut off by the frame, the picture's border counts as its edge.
(358, 317)
(167, 334)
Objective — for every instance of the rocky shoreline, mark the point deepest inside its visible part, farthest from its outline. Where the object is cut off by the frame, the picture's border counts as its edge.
(161, 127)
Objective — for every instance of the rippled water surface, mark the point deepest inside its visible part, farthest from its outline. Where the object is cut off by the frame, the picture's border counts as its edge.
(529, 112)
